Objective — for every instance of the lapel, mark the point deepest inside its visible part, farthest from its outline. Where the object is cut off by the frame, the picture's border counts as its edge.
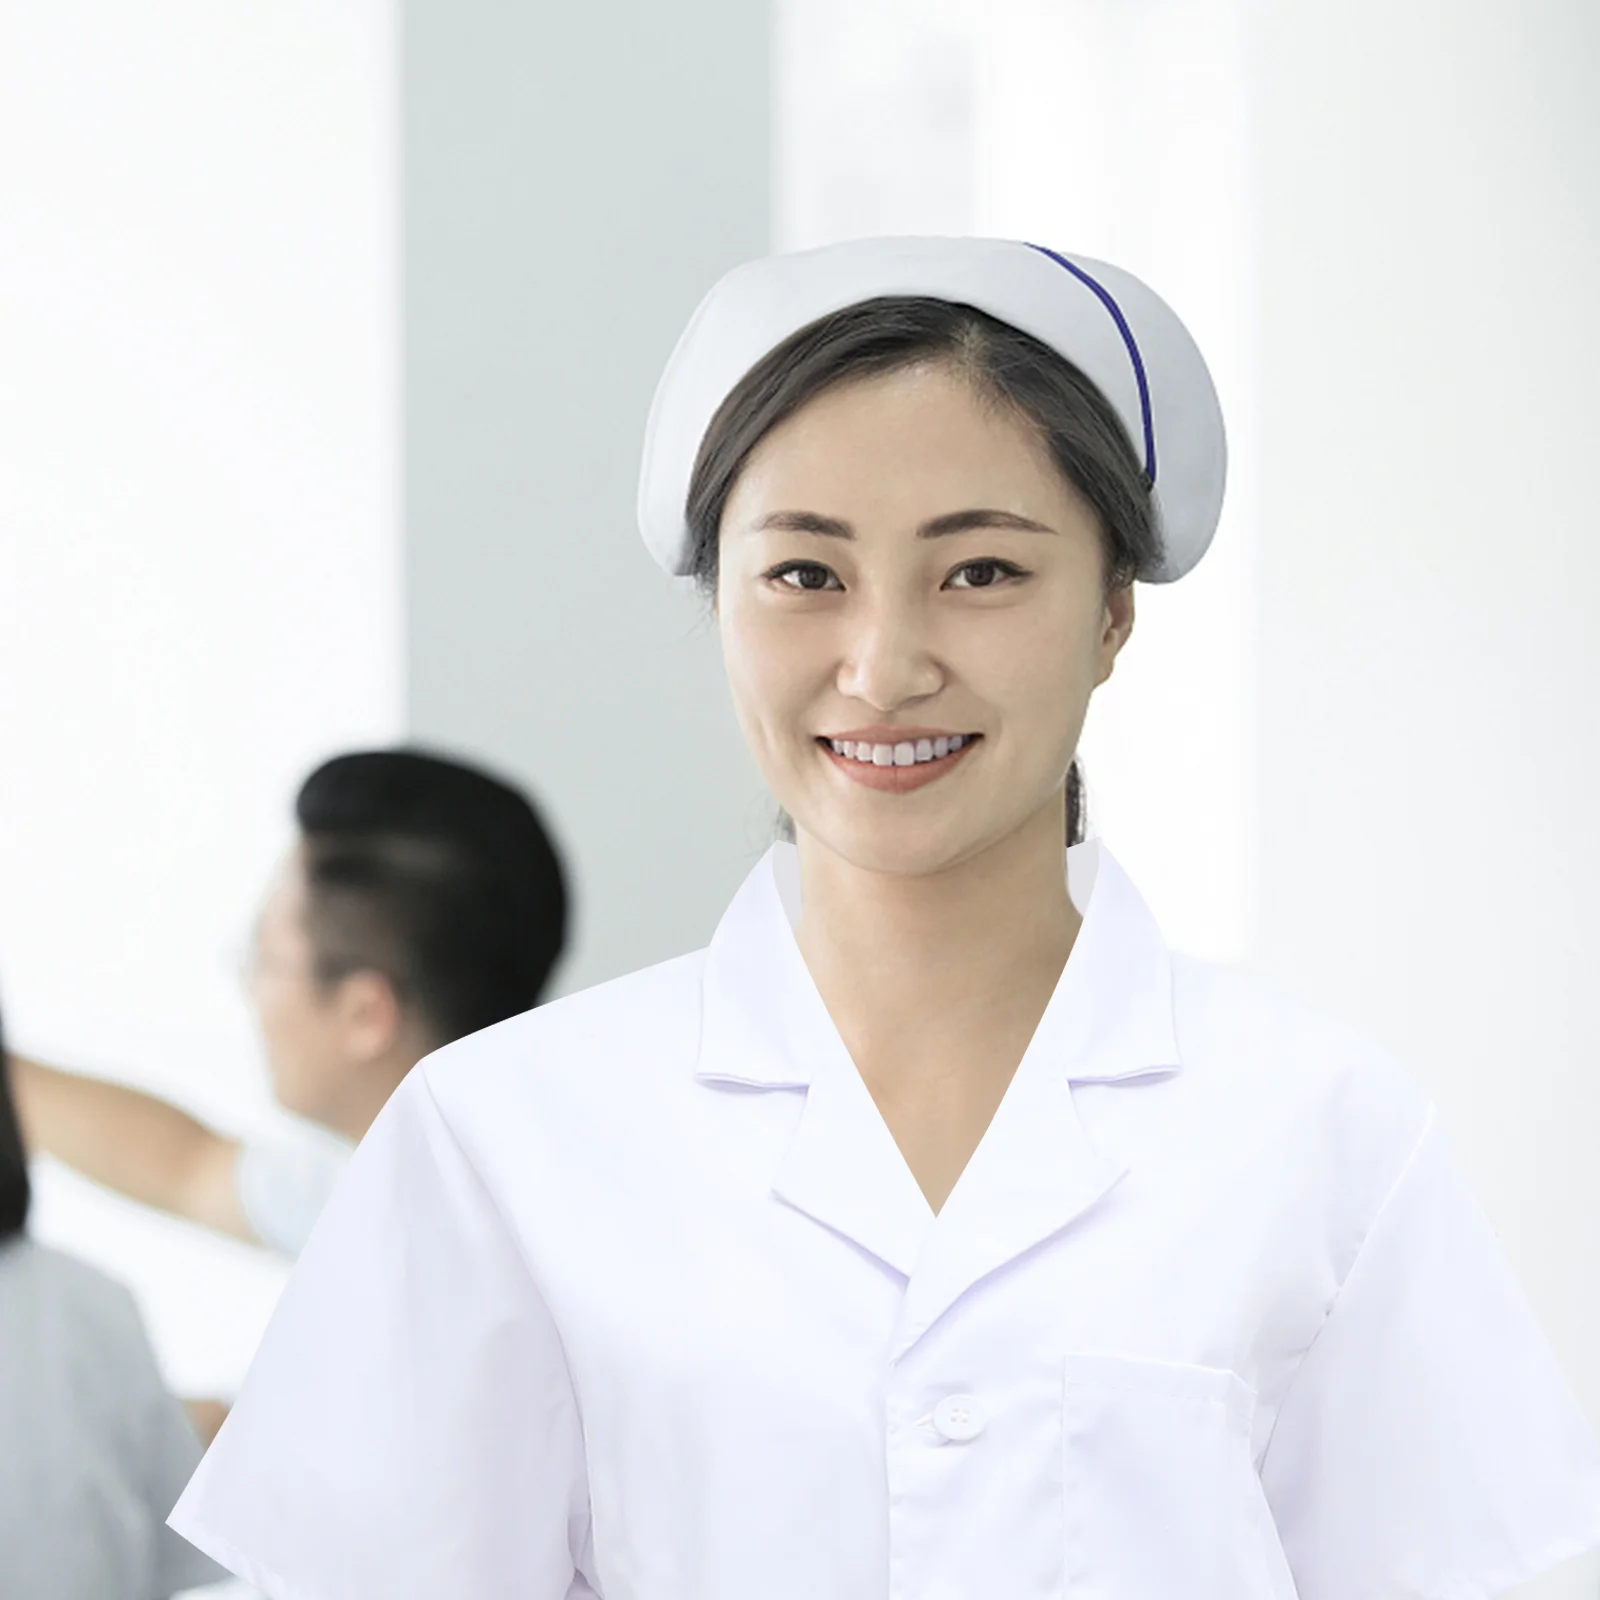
(1037, 1168)
(1035, 1171)
(763, 1025)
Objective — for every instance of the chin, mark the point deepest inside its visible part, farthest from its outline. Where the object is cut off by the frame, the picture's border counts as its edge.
(890, 845)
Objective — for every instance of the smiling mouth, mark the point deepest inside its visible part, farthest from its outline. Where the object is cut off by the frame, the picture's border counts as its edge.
(904, 753)
(902, 766)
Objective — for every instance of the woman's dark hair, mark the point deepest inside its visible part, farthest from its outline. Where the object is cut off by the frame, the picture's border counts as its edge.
(1074, 419)
(15, 1191)
(438, 876)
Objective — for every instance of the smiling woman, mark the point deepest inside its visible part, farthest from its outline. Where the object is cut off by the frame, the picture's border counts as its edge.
(1019, 384)
(969, 555)
(937, 1231)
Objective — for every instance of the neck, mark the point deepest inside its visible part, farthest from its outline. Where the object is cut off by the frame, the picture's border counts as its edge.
(971, 951)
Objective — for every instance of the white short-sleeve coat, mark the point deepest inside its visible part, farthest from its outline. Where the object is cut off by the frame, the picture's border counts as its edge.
(634, 1296)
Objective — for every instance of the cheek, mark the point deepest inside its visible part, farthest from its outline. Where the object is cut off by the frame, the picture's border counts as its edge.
(287, 1014)
(773, 664)
(276, 1031)
(1035, 663)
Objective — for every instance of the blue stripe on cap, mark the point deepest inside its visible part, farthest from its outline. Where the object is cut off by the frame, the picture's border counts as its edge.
(1128, 339)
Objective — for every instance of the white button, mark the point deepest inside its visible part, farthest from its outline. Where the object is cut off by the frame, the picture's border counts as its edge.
(960, 1417)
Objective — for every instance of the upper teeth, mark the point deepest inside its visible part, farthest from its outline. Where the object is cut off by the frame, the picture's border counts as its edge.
(905, 754)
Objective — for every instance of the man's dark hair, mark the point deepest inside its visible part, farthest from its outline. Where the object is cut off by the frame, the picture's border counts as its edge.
(438, 876)
(15, 1192)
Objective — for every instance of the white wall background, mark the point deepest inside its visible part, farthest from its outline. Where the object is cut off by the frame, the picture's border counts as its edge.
(199, 559)
(1428, 582)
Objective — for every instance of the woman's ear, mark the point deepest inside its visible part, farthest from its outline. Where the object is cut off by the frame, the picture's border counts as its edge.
(1117, 624)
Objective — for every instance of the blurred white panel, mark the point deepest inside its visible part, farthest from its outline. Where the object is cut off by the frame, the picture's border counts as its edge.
(199, 565)
(872, 119)
(1427, 600)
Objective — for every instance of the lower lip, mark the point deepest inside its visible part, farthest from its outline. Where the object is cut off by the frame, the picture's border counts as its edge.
(896, 780)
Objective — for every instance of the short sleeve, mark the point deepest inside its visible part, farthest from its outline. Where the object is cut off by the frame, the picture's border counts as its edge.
(408, 1428)
(283, 1185)
(1428, 1447)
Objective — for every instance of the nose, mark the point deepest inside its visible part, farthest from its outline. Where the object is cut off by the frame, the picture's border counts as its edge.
(889, 661)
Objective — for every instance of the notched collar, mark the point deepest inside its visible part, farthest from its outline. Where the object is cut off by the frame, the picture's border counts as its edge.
(1110, 1018)
(761, 1020)
(1036, 1169)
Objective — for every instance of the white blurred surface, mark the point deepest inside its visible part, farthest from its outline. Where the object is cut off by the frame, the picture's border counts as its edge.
(872, 119)
(199, 562)
(1428, 584)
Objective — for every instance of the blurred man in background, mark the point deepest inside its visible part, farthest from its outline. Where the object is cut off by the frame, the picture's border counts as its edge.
(423, 900)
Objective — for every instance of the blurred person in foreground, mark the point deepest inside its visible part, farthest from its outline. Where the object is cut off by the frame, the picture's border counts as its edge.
(96, 1449)
(423, 901)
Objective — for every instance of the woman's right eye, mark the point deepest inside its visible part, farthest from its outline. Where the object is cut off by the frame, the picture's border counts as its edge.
(810, 576)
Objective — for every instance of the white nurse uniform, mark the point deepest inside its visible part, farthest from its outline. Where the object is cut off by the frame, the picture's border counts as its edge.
(634, 1296)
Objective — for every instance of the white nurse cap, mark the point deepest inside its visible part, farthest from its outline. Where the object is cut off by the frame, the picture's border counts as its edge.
(1119, 333)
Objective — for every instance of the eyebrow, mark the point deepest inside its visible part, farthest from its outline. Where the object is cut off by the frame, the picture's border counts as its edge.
(963, 521)
(938, 528)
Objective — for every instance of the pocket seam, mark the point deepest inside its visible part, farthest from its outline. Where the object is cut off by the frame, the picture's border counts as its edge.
(1189, 1382)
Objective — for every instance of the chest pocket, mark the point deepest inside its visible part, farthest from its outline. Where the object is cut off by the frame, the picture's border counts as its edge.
(1161, 1495)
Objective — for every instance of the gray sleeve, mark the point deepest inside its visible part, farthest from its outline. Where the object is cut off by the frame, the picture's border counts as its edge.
(283, 1184)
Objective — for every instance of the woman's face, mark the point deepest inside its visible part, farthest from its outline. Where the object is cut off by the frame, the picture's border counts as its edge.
(905, 574)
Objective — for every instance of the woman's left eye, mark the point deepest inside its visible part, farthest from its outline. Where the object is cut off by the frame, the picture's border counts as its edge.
(984, 574)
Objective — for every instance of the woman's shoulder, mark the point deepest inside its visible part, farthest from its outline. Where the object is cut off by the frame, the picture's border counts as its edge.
(1246, 1044)
(630, 1032)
